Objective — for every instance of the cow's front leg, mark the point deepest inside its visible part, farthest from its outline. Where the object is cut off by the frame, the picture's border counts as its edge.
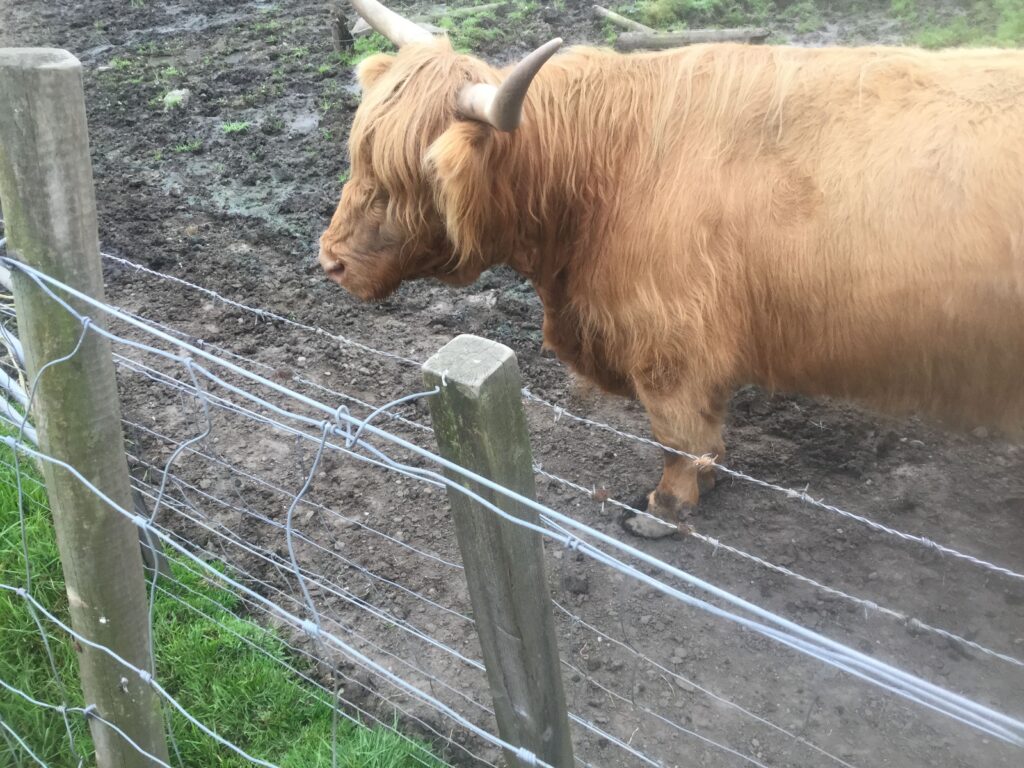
(692, 425)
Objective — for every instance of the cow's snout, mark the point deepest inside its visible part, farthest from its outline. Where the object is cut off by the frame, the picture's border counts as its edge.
(332, 263)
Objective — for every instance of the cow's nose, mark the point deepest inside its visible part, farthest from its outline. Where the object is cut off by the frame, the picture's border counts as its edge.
(332, 265)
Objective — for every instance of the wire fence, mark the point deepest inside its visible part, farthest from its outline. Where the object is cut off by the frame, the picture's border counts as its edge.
(330, 532)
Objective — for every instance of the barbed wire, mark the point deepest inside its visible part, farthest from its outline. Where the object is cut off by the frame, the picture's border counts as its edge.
(344, 417)
(560, 411)
(790, 493)
(670, 723)
(867, 605)
(717, 544)
(576, 619)
(358, 432)
(262, 313)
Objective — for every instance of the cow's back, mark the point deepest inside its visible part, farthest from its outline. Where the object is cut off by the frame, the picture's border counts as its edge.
(908, 276)
(846, 222)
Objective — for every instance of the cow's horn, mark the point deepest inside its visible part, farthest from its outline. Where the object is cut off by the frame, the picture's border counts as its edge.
(502, 106)
(398, 29)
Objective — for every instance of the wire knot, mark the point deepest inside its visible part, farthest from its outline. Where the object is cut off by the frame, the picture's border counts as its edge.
(89, 711)
(145, 677)
(573, 543)
(311, 628)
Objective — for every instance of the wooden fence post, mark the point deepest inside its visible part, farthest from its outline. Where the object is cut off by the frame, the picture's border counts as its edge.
(479, 424)
(46, 189)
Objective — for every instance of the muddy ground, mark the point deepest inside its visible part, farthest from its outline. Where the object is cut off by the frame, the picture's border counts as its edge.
(240, 212)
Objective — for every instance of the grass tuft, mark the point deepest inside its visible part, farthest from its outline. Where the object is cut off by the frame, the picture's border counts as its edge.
(236, 127)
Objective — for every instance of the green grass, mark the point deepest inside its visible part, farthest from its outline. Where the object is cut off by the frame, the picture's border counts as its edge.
(366, 46)
(121, 63)
(979, 23)
(244, 693)
(470, 32)
(237, 127)
(193, 145)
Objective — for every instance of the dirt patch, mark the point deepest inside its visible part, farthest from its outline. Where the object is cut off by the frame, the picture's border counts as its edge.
(239, 209)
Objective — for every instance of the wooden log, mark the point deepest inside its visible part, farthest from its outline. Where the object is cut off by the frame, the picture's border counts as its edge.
(470, 10)
(362, 29)
(46, 188)
(657, 41)
(622, 21)
(479, 424)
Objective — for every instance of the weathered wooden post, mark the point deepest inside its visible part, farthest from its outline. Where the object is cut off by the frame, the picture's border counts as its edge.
(46, 189)
(479, 424)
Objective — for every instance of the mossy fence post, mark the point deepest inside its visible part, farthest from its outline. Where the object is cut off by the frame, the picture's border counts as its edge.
(46, 189)
(479, 424)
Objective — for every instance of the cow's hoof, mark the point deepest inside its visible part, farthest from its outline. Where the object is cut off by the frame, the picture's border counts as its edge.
(650, 525)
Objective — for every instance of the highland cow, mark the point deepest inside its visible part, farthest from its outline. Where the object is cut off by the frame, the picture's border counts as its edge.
(843, 222)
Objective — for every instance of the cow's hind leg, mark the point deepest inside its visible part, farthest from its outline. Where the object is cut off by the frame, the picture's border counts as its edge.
(692, 425)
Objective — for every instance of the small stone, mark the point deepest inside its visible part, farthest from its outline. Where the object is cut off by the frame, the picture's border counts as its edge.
(981, 433)
(645, 620)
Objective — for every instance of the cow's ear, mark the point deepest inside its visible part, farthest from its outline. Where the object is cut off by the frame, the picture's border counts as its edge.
(462, 165)
(370, 69)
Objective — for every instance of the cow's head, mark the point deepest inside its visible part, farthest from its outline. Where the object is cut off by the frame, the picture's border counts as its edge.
(429, 122)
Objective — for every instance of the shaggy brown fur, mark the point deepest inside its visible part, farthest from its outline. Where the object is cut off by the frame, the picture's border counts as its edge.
(843, 222)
